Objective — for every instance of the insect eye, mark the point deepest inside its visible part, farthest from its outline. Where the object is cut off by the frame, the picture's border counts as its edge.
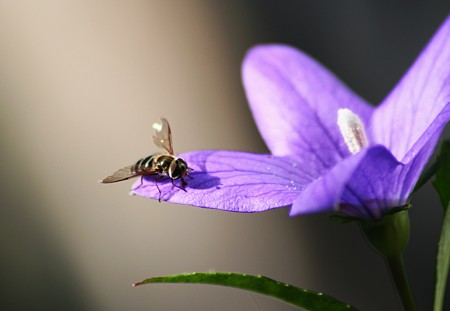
(182, 164)
(177, 169)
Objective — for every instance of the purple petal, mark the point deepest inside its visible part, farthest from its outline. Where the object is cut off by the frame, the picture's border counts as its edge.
(294, 101)
(415, 103)
(419, 154)
(430, 136)
(364, 185)
(324, 193)
(233, 181)
(375, 186)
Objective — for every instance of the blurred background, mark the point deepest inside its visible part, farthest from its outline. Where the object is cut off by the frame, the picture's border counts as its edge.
(80, 84)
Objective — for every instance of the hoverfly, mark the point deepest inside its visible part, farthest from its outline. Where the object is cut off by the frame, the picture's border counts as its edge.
(161, 164)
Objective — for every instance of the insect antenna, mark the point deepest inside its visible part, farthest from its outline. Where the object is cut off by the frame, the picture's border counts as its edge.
(190, 169)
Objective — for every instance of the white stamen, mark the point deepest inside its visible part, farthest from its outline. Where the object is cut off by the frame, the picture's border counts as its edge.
(157, 126)
(352, 130)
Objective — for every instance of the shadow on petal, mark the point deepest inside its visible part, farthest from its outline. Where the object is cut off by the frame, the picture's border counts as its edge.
(203, 181)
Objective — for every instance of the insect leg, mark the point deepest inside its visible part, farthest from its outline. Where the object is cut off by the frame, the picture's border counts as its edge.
(183, 184)
(142, 176)
(156, 183)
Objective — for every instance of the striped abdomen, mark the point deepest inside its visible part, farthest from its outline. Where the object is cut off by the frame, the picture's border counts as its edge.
(156, 163)
(160, 164)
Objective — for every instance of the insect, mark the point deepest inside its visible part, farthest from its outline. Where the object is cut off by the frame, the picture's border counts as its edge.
(160, 164)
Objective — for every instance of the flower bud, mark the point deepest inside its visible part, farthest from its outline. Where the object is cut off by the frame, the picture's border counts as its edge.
(390, 234)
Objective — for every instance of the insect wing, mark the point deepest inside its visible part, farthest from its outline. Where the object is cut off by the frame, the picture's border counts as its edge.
(163, 136)
(122, 174)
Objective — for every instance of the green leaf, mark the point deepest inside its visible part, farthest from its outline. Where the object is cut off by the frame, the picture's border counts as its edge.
(442, 262)
(442, 185)
(442, 180)
(303, 298)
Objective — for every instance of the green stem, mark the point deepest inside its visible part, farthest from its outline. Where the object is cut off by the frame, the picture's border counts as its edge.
(389, 237)
(398, 273)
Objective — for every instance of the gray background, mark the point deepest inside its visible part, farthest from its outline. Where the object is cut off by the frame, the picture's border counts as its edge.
(80, 84)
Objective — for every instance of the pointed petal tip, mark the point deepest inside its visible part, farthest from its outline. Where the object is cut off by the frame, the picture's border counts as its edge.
(418, 98)
(261, 53)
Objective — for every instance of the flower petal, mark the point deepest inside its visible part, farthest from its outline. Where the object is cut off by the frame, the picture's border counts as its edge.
(375, 186)
(417, 100)
(294, 101)
(324, 193)
(365, 186)
(233, 181)
(419, 154)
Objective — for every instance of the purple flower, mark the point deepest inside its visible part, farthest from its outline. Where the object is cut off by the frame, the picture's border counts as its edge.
(330, 150)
